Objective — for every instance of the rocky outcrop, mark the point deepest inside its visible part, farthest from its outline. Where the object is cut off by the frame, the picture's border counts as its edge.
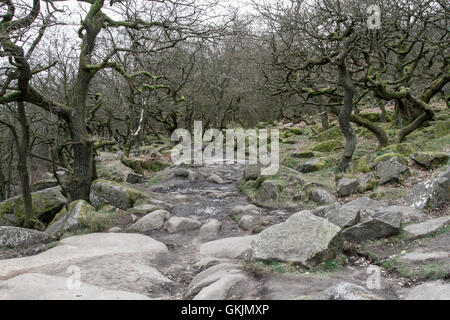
(303, 238)
(107, 192)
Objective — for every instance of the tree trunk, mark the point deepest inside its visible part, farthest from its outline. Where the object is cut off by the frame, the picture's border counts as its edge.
(345, 115)
(22, 167)
(324, 118)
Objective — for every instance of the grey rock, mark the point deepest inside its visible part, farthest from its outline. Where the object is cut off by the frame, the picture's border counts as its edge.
(214, 178)
(46, 202)
(248, 222)
(323, 210)
(303, 238)
(408, 214)
(180, 224)
(391, 170)
(321, 196)
(222, 288)
(134, 178)
(13, 237)
(383, 226)
(343, 217)
(348, 291)
(209, 230)
(346, 187)
(252, 172)
(268, 191)
(420, 230)
(71, 219)
(430, 194)
(210, 276)
(430, 160)
(32, 286)
(434, 290)
(366, 207)
(313, 165)
(153, 221)
(231, 248)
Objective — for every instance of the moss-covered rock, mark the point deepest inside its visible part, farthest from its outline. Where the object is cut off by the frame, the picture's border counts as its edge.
(113, 170)
(44, 184)
(333, 133)
(404, 149)
(155, 165)
(442, 128)
(391, 155)
(296, 131)
(69, 220)
(303, 155)
(430, 160)
(45, 204)
(105, 192)
(314, 165)
(327, 146)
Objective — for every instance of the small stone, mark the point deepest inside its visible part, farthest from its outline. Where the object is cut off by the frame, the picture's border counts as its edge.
(321, 196)
(346, 187)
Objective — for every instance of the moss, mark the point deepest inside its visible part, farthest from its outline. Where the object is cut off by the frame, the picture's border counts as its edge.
(155, 165)
(404, 149)
(291, 163)
(156, 178)
(330, 134)
(371, 116)
(361, 165)
(391, 155)
(303, 155)
(296, 131)
(432, 160)
(99, 221)
(442, 128)
(371, 185)
(327, 146)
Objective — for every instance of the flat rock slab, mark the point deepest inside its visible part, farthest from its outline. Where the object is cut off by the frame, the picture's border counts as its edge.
(12, 237)
(420, 230)
(231, 248)
(74, 250)
(34, 286)
(435, 290)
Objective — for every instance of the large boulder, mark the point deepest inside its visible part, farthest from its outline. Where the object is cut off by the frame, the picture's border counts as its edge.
(430, 194)
(35, 286)
(382, 226)
(114, 261)
(46, 203)
(12, 237)
(391, 170)
(105, 192)
(430, 160)
(68, 220)
(303, 238)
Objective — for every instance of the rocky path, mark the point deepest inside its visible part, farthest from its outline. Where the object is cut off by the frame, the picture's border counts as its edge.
(195, 252)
